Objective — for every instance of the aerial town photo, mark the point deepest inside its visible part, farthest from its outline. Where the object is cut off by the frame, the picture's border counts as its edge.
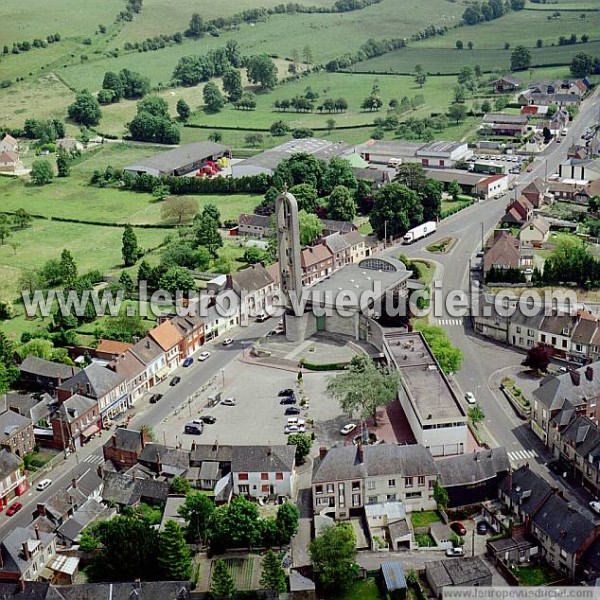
(299, 301)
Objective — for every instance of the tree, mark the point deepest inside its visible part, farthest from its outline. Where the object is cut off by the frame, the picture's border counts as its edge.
(160, 191)
(364, 387)
(310, 227)
(177, 279)
(457, 112)
(41, 172)
(126, 282)
(330, 125)
(197, 510)
(539, 43)
(236, 525)
(396, 208)
(486, 106)
(4, 229)
(507, 45)
(440, 495)
(520, 59)
(180, 486)
(22, 218)
(221, 584)
(273, 575)
(287, 521)
(114, 83)
(63, 166)
(85, 110)
(449, 357)
(179, 209)
(262, 70)
(307, 55)
(333, 554)
(279, 128)
(144, 271)
(476, 415)
(459, 94)
(211, 210)
(232, 84)
(582, 65)
(154, 105)
(253, 255)
(68, 268)
(454, 190)
(215, 136)
(459, 45)
(196, 26)
(213, 99)
(470, 45)
(303, 443)
(130, 249)
(174, 558)
(538, 358)
(338, 172)
(183, 109)
(306, 196)
(341, 206)
(420, 77)
(206, 232)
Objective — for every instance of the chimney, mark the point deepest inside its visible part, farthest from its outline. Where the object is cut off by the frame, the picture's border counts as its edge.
(37, 532)
(193, 447)
(74, 483)
(158, 463)
(138, 583)
(589, 373)
(114, 441)
(215, 447)
(229, 281)
(26, 552)
(70, 500)
(22, 584)
(360, 453)
(322, 452)
(575, 377)
(144, 438)
(41, 508)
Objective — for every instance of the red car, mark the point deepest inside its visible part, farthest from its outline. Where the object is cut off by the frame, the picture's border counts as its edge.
(458, 528)
(15, 507)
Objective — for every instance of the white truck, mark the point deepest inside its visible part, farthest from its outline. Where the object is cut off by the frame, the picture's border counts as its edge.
(420, 231)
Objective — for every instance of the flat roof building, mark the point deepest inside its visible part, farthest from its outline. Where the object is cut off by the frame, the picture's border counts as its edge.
(178, 161)
(380, 151)
(443, 154)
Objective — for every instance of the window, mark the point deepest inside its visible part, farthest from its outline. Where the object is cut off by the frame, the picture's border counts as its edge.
(355, 499)
(341, 488)
(318, 489)
(391, 482)
(564, 343)
(391, 497)
(279, 476)
(370, 485)
(431, 484)
(518, 329)
(543, 337)
(408, 482)
(243, 476)
(372, 500)
(265, 489)
(356, 486)
(264, 476)
(413, 495)
(442, 163)
(244, 489)
(421, 481)
(553, 341)
(330, 488)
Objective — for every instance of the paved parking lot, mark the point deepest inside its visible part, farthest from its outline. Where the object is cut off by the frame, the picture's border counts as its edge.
(258, 418)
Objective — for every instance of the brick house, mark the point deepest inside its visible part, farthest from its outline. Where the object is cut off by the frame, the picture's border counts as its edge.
(43, 375)
(255, 225)
(111, 349)
(535, 192)
(519, 211)
(507, 252)
(12, 480)
(133, 370)
(339, 248)
(125, 447)
(75, 421)
(316, 262)
(16, 433)
(168, 338)
(191, 328)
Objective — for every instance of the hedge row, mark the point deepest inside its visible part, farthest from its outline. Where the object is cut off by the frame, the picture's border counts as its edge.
(99, 223)
(451, 211)
(325, 366)
(267, 129)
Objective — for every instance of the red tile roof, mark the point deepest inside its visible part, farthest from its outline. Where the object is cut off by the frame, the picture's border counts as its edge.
(112, 347)
(165, 335)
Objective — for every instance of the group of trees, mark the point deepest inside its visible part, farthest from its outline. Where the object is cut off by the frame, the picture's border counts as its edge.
(26, 45)
(520, 59)
(21, 219)
(488, 10)
(195, 69)
(152, 122)
(582, 65)
(124, 84)
(85, 110)
(44, 131)
(448, 356)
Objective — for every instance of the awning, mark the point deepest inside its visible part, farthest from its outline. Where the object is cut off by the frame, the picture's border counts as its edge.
(162, 373)
(91, 430)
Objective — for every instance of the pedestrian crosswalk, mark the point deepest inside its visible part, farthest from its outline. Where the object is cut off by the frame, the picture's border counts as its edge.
(94, 459)
(520, 455)
(449, 321)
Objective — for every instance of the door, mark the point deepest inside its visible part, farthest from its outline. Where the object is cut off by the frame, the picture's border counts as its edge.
(321, 323)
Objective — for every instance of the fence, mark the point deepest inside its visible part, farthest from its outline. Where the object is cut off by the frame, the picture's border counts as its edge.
(33, 476)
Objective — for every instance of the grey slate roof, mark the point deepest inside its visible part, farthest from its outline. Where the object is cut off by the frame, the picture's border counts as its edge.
(12, 545)
(94, 381)
(127, 490)
(128, 440)
(63, 501)
(145, 590)
(34, 590)
(465, 469)
(255, 220)
(76, 406)
(255, 459)
(90, 511)
(255, 277)
(47, 368)
(525, 488)
(562, 524)
(10, 423)
(466, 570)
(179, 157)
(88, 480)
(215, 452)
(555, 390)
(146, 350)
(341, 226)
(336, 242)
(168, 456)
(9, 463)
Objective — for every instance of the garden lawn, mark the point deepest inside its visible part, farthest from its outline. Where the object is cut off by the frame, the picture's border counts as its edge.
(363, 589)
(536, 575)
(425, 518)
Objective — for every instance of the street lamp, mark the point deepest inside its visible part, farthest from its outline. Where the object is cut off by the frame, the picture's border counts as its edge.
(223, 376)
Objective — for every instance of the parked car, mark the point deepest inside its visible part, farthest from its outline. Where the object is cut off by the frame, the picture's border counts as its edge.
(262, 317)
(227, 341)
(289, 429)
(175, 380)
(229, 402)
(203, 356)
(346, 429)
(208, 419)
(296, 421)
(272, 333)
(286, 392)
(470, 398)
(43, 484)
(595, 506)
(155, 398)
(482, 527)
(288, 400)
(458, 528)
(292, 410)
(15, 507)
(455, 551)
(194, 428)
(188, 361)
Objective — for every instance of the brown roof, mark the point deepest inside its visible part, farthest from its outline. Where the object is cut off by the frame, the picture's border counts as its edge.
(128, 365)
(253, 278)
(9, 138)
(314, 255)
(273, 271)
(593, 188)
(113, 347)
(7, 156)
(504, 252)
(537, 186)
(187, 324)
(165, 335)
(585, 329)
(539, 223)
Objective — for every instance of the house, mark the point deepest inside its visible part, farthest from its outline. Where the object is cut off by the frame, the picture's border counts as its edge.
(506, 129)
(376, 177)
(86, 478)
(169, 340)
(536, 142)
(255, 225)
(16, 433)
(128, 490)
(518, 211)
(138, 590)
(491, 119)
(133, 371)
(108, 388)
(466, 572)
(556, 330)
(125, 447)
(33, 406)
(9, 162)
(535, 232)
(179, 161)
(387, 524)
(171, 512)
(316, 262)
(514, 550)
(473, 478)
(154, 359)
(191, 328)
(487, 320)
(90, 511)
(507, 252)
(25, 554)
(75, 422)
(43, 375)
(264, 471)
(585, 332)
(579, 387)
(8, 144)
(506, 84)
(381, 151)
(443, 154)
(349, 477)
(60, 506)
(162, 460)
(357, 246)
(535, 192)
(69, 144)
(110, 349)
(565, 190)
(339, 248)
(524, 330)
(12, 480)
(255, 288)
(492, 186)
(564, 534)
(330, 226)
(394, 580)
(577, 152)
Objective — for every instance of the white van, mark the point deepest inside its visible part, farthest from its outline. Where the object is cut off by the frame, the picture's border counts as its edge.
(43, 484)
(295, 421)
(394, 162)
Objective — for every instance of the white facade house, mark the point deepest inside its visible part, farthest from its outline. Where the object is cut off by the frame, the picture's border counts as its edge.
(154, 359)
(443, 154)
